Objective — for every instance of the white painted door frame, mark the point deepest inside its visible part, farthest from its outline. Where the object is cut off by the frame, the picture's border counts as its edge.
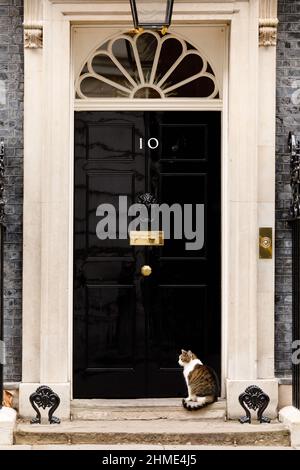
(169, 104)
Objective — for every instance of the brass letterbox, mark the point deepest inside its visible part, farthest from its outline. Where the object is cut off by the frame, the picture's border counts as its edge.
(146, 238)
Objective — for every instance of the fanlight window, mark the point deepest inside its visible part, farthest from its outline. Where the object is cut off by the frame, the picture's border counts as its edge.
(146, 65)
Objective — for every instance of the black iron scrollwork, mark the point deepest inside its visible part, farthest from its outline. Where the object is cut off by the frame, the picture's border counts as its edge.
(146, 199)
(294, 146)
(44, 397)
(253, 398)
(2, 200)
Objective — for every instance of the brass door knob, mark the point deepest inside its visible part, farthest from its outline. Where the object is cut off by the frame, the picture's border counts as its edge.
(146, 270)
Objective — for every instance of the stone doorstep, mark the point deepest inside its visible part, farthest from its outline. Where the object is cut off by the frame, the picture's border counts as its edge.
(8, 418)
(136, 403)
(144, 409)
(149, 415)
(159, 432)
(290, 416)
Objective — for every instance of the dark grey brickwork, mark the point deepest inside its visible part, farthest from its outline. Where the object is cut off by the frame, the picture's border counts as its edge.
(11, 118)
(288, 118)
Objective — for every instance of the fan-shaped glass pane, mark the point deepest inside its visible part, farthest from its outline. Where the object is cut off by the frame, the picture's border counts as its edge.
(171, 49)
(103, 65)
(201, 87)
(146, 46)
(160, 63)
(146, 92)
(189, 66)
(94, 88)
(122, 50)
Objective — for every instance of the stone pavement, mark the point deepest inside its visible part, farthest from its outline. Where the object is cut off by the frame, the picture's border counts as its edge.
(188, 448)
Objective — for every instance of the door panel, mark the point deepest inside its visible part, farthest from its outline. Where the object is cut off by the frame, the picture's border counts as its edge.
(129, 329)
(186, 170)
(109, 336)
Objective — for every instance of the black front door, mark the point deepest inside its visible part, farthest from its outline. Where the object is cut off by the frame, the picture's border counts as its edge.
(130, 328)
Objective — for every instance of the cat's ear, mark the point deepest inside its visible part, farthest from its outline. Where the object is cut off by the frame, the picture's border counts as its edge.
(190, 353)
(183, 351)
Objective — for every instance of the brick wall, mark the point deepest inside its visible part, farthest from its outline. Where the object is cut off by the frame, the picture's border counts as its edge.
(11, 106)
(288, 118)
(11, 117)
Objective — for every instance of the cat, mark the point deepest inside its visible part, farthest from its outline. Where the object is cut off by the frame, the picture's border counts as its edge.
(201, 380)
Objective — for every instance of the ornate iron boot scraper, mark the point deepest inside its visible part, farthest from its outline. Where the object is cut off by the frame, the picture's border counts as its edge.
(44, 397)
(253, 398)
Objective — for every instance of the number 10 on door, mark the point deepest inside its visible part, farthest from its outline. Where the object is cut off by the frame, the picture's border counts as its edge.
(151, 143)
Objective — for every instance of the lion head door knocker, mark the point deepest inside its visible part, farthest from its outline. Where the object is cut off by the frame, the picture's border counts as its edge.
(44, 397)
(253, 398)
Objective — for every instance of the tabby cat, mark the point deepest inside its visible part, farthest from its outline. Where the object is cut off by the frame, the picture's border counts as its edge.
(201, 380)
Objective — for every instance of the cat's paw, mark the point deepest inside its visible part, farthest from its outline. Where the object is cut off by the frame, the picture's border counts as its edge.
(201, 401)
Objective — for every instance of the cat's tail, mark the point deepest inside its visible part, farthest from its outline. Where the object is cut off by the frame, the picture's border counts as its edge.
(200, 403)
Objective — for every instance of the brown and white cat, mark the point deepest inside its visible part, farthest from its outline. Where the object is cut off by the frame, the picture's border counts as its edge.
(201, 380)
